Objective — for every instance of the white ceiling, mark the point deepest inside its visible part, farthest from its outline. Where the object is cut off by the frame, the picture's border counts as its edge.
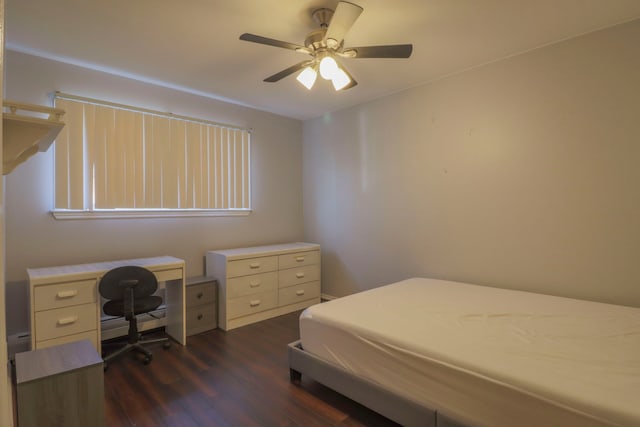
(193, 45)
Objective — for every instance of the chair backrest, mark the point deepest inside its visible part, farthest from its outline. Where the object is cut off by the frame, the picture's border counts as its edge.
(114, 283)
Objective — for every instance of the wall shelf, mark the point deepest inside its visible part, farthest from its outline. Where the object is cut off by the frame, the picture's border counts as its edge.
(27, 129)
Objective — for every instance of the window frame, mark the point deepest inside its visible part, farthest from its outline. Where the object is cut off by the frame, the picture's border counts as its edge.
(90, 211)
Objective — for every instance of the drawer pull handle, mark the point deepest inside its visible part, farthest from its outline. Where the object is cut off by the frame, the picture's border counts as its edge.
(254, 265)
(254, 303)
(300, 275)
(67, 294)
(200, 295)
(199, 316)
(300, 258)
(300, 292)
(255, 284)
(67, 320)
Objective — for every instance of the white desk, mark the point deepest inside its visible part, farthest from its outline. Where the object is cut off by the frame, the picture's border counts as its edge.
(65, 303)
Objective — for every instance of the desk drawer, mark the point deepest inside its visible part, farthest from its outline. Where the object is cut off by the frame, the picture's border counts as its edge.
(201, 318)
(201, 294)
(249, 304)
(60, 295)
(65, 321)
(170, 274)
(91, 336)
(297, 293)
(244, 267)
(247, 285)
(295, 276)
(299, 259)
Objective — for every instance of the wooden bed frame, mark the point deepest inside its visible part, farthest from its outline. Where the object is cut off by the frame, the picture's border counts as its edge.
(397, 408)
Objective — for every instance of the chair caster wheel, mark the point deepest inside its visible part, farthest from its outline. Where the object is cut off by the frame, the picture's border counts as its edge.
(166, 345)
(146, 360)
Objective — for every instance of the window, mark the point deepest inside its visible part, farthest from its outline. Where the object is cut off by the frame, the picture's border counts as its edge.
(115, 160)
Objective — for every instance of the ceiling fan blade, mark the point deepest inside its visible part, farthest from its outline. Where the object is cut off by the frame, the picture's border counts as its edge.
(272, 42)
(389, 51)
(343, 19)
(288, 71)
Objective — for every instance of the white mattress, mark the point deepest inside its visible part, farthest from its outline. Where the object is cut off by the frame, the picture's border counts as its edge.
(487, 356)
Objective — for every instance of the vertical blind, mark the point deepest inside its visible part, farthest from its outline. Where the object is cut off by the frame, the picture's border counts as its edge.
(115, 157)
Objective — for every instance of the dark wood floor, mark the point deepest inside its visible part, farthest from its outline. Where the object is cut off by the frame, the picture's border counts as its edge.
(235, 378)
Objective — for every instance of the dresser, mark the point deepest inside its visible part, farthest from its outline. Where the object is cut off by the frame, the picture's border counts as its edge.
(202, 304)
(65, 304)
(260, 282)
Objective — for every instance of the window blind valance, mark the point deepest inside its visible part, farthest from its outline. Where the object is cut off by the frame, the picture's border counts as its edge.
(115, 157)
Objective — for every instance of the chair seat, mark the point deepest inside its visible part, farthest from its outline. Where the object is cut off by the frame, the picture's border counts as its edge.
(141, 305)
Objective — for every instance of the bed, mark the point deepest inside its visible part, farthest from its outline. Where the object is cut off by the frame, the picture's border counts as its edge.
(439, 353)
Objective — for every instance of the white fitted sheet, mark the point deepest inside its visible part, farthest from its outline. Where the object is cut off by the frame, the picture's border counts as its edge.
(487, 356)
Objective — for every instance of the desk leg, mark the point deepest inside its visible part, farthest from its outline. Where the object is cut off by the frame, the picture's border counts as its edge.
(175, 300)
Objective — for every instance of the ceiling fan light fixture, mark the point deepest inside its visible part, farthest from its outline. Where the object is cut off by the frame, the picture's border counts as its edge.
(328, 67)
(340, 79)
(307, 77)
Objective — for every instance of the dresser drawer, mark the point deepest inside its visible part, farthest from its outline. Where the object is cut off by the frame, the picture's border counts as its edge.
(244, 267)
(295, 276)
(64, 294)
(249, 304)
(204, 293)
(298, 259)
(65, 321)
(297, 293)
(201, 318)
(247, 285)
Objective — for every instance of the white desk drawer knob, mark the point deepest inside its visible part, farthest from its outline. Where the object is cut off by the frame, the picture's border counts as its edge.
(300, 258)
(300, 275)
(300, 292)
(255, 283)
(67, 320)
(254, 303)
(254, 265)
(67, 294)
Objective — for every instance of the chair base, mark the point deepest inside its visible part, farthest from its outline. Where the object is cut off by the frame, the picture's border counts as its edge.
(138, 347)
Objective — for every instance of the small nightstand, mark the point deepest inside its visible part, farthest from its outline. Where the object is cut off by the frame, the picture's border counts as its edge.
(62, 385)
(202, 304)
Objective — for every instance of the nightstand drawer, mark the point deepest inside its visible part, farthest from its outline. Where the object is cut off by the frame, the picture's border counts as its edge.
(296, 276)
(201, 318)
(64, 294)
(244, 267)
(249, 304)
(298, 259)
(204, 293)
(247, 285)
(297, 293)
(65, 321)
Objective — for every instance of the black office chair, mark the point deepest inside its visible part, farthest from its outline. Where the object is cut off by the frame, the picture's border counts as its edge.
(129, 291)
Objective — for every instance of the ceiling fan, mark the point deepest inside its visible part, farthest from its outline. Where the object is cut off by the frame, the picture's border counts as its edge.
(326, 44)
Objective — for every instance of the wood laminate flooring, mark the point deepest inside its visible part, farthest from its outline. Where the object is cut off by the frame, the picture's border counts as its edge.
(234, 378)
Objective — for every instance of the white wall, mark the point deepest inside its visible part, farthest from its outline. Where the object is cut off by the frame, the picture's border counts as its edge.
(523, 173)
(35, 239)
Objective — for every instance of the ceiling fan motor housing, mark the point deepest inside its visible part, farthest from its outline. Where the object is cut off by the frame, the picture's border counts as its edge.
(322, 17)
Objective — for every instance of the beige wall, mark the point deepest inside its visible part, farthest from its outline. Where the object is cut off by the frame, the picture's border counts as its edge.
(34, 238)
(524, 173)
